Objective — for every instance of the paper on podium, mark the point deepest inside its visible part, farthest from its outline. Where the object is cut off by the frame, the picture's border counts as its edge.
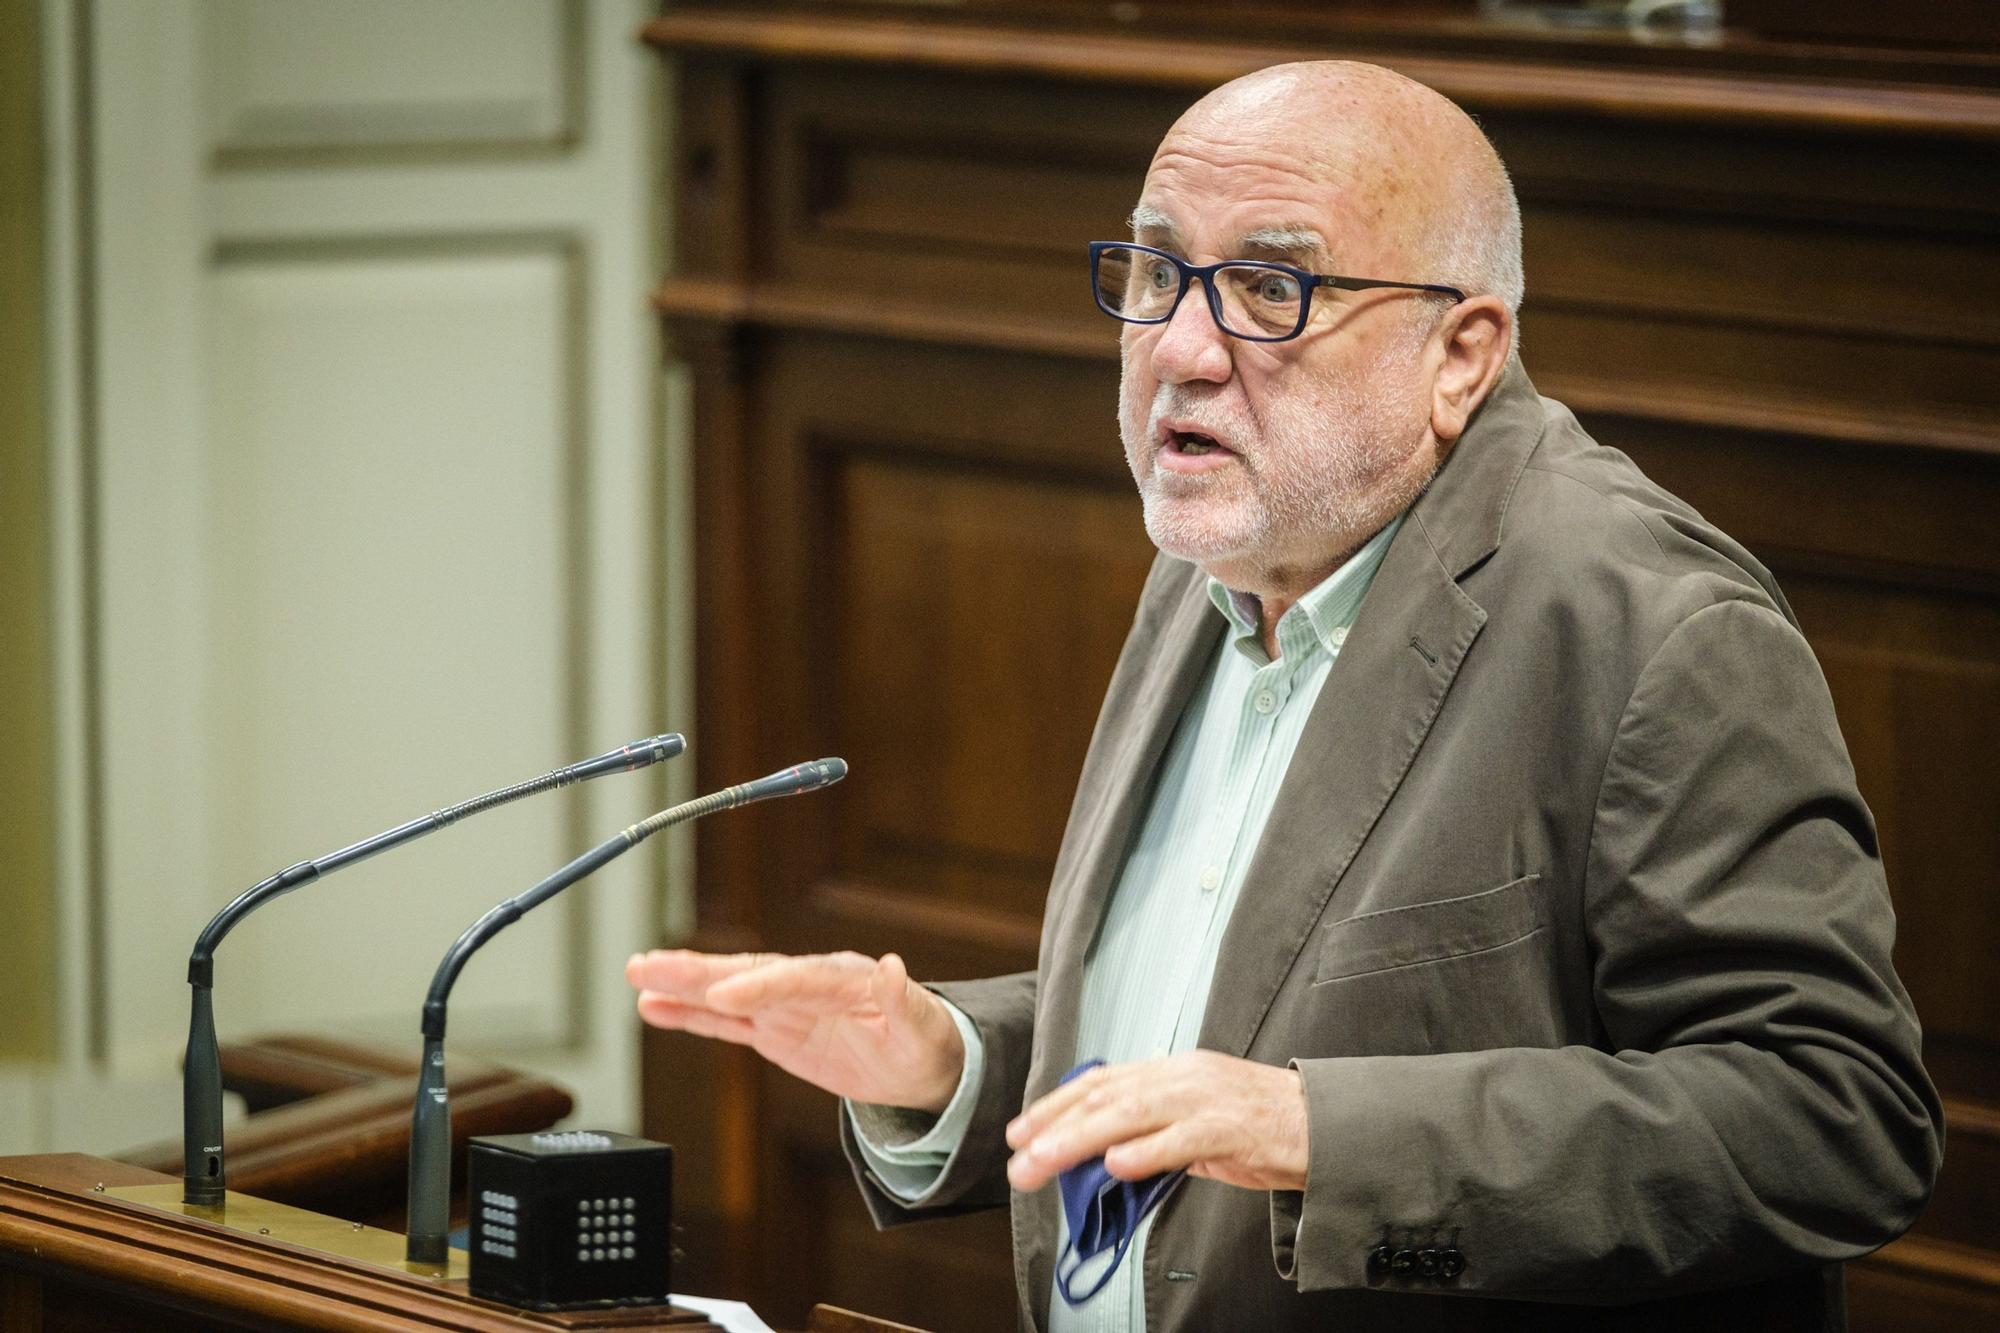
(734, 1316)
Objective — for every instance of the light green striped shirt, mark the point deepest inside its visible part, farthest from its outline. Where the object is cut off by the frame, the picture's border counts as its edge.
(1147, 977)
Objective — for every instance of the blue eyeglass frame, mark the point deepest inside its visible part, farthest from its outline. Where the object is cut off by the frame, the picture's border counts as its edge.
(1308, 283)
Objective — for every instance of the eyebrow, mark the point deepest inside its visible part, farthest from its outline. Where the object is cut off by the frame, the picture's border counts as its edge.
(1294, 240)
(1147, 218)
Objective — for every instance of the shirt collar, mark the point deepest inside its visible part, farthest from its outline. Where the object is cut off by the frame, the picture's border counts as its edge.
(1321, 617)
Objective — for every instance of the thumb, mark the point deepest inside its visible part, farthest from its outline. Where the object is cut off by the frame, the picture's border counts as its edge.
(890, 986)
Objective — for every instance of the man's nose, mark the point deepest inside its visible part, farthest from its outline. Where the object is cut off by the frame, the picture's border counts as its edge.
(1191, 346)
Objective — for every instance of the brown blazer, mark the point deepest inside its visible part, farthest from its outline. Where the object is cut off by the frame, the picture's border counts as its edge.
(1568, 911)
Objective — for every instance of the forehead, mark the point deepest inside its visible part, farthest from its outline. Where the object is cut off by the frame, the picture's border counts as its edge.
(1207, 191)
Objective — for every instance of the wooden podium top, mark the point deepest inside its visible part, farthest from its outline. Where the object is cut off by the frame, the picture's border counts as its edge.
(67, 1248)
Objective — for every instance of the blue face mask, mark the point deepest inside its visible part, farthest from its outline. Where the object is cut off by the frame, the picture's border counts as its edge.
(1103, 1212)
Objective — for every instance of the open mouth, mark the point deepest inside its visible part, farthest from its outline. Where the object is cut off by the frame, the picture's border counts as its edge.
(1193, 443)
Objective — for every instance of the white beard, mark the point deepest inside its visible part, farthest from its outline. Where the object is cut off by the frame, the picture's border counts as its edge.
(1318, 473)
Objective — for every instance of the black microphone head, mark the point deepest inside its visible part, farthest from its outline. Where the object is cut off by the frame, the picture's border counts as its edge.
(664, 746)
(628, 757)
(790, 782)
(822, 773)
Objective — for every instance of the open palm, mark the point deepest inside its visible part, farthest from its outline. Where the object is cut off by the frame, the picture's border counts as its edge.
(853, 1025)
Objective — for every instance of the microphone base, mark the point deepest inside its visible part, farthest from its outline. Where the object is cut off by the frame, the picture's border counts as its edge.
(261, 1219)
(206, 1196)
(426, 1251)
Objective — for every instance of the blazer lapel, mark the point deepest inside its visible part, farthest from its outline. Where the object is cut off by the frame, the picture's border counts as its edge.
(1414, 629)
(1372, 714)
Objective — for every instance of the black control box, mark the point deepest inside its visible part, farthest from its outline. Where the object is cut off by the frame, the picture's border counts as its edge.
(571, 1220)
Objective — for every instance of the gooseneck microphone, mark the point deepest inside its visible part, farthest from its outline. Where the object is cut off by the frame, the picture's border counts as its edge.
(430, 1122)
(201, 1077)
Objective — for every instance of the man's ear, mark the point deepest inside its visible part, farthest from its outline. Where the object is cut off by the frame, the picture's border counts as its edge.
(1476, 337)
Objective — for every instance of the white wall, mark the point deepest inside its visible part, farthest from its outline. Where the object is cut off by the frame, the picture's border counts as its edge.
(359, 476)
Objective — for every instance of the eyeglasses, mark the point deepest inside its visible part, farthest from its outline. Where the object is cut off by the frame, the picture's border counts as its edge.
(1250, 299)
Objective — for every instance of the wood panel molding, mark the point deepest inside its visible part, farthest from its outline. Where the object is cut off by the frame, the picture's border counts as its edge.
(867, 906)
(1801, 102)
(1917, 1282)
(699, 310)
(833, 1319)
(260, 135)
(1770, 414)
(690, 304)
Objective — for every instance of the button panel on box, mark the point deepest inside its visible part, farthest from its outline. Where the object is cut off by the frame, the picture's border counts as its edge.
(605, 1229)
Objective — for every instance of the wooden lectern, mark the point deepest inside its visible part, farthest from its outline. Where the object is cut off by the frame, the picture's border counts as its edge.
(74, 1254)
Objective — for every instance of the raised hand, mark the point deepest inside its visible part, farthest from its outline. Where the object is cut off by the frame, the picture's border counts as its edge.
(853, 1025)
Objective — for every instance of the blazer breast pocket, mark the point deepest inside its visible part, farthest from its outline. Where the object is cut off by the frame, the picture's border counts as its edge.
(1400, 937)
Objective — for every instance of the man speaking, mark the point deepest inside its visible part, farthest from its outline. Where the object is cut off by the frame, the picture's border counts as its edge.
(1467, 918)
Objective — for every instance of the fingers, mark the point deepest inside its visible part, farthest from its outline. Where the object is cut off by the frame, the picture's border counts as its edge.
(1233, 1120)
(821, 981)
(1167, 1149)
(1058, 1103)
(664, 1011)
(687, 974)
(1110, 1111)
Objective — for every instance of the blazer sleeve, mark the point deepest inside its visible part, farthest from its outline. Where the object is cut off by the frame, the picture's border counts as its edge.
(1759, 1103)
(1002, 1009)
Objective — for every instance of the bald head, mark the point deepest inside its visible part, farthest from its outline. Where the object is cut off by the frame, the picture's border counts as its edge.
(1413, 176)
(1270, 460)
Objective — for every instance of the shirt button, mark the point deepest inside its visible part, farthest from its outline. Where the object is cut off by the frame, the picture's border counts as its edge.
(1211, 879)
(1265, 702)
(1338, 635)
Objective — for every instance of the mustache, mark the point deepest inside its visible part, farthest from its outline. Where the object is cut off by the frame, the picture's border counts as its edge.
(1232, 424)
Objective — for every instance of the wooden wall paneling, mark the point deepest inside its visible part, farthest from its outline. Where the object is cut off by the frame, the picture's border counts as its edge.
(712, 146)
(1764, 272)
(952, 577)
(1733, 81)
(1922, 515)
(1945, 22)
(1758, 279)
(969, 576)
(701, 1095)
(1811, 173)
(984, 204)
(1945, 1289)
(954, 1275)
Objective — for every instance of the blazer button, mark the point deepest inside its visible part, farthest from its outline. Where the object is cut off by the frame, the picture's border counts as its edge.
(1451, 1262)
(1428, 1261)
(1402, 1263)
(1378, 1259)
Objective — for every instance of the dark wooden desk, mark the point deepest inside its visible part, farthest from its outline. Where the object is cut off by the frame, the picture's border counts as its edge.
(73, 1257)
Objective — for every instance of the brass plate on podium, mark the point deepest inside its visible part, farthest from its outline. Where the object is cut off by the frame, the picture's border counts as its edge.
(294, 1226)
